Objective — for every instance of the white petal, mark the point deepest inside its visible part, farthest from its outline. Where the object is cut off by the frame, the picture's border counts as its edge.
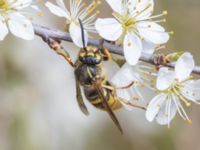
(132, 5)
(167, 112)
(184, 66)
(19, 4)
(148, 47)
(116, 5)
(75, 32)
(20, 26)
(123, 77)
(62, 5)
(152, 32)
(154, 106)
(109, 28)
(191, 90)
(165, 78)
(132, 48)
(3, 28)
(57, 10)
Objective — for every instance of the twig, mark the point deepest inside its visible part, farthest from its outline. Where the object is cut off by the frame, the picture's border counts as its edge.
(47, 33)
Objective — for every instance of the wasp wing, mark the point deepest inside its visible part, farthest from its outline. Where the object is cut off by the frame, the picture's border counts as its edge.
(107, 107)
(80, 99)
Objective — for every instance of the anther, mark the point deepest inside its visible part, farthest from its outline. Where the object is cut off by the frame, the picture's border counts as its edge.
(93, 6)
(171, 32)
(165, 12)
(164, 20)
(189, 121)
(97, 12)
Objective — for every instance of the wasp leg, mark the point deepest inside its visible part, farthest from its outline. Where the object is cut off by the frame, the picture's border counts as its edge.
(106, 54)
(80, 99)
(129, 103)
(59, 49)
(118, 88)
(121, 99)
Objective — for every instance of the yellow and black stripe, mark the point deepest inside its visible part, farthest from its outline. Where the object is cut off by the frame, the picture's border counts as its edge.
(95, 99)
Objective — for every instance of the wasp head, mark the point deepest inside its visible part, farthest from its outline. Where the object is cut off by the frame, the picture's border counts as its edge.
(91, 55)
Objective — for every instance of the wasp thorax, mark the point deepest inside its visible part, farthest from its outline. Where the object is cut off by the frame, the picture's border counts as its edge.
(90, 56)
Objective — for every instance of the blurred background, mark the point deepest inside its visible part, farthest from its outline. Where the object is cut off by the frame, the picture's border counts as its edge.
(38, 108)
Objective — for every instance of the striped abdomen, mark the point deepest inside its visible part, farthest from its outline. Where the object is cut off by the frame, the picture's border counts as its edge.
(92, 95)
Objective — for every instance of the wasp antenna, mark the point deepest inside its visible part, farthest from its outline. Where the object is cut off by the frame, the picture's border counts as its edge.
(82, 34)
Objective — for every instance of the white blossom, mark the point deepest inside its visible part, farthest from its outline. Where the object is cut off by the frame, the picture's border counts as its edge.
(175, 88)
(77, 11)
(133, 26)
(11, 19)
(141, 75)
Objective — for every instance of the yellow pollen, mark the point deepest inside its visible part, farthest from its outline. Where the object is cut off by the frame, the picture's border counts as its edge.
(97, 12)
(129, 44)
(93, 6)
(189, 121)
(171, 32)
(164, 20)
(165, 12)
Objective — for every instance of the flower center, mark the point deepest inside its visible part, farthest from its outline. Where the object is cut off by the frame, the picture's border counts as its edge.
(129, 23)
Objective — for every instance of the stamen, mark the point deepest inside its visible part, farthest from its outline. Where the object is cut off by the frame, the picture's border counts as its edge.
(181, 97)
(177, 106)
(156, 16)
(160, 47)
(139, 13)
(187, 118)
(171, 32)
(93, 6)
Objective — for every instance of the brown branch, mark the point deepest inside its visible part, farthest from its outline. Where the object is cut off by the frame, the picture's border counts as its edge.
(47, 33)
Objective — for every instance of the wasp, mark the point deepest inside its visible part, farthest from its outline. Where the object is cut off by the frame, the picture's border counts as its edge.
(89, 74)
